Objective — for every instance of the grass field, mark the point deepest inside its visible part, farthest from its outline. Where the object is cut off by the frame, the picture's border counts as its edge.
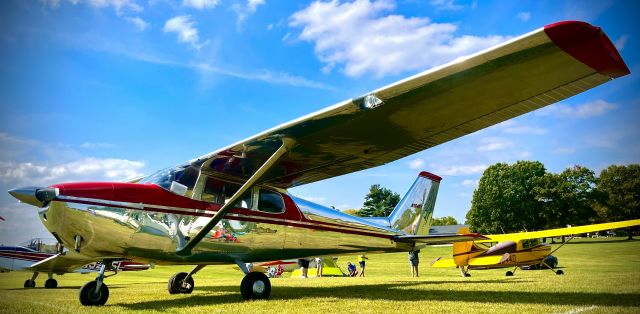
(601, 276)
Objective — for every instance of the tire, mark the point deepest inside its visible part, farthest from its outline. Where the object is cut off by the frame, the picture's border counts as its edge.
(467, 275)
(51, 283)
(255, 286)
(559, 272)
(509, 273)
(29, 283)
(88, 297)
(175, 284)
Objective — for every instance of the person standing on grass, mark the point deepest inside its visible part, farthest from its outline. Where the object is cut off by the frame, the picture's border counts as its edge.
(361, 259)
(414, 260)
(304, 267)
(319, 265)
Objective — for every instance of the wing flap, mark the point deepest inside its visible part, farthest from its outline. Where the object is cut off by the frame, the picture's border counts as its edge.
(439, 238)
(562, 231)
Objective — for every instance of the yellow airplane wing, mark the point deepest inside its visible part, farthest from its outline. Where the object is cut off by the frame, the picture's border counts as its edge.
(488, 260)
(561, 231)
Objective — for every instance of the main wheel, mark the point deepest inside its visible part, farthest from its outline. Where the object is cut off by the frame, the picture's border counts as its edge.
(255, 286)
(467, 275)
(29, 283)
(51, 283)
(559, 272)
(509, 273)
(89, 297)
(177, 285)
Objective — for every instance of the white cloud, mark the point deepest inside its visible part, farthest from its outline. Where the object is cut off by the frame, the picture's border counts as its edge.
(183, 26)
(595, 108)
(524, 16)
(621, 42)
(362, 37)
(90, 145)
(446, 5)
(523, 155)
(88, 169)
(244, 11)
(417, 163)
(489, 144)
(139, 23)
(200, 4)
(120, 6)
(458, 170)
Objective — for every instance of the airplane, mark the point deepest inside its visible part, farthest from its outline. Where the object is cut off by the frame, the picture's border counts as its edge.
(232, 205)
(48, 256)
(516, 249)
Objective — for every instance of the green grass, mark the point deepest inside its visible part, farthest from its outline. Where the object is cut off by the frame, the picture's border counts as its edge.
(600, 277)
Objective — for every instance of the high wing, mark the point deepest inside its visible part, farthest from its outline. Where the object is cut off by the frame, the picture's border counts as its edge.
(60, 263)
(440, 238)
(562, 231)
(430, 108)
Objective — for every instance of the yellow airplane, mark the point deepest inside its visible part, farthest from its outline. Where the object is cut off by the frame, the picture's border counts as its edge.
(515, 249)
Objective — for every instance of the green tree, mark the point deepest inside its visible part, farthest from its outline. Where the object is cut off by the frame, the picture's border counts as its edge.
(444, 221)
(352, 211)
(505, 199)
(620, 186)
(568, 197)
(379, 202)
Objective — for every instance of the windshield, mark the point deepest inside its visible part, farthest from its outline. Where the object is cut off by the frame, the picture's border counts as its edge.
(185, 175)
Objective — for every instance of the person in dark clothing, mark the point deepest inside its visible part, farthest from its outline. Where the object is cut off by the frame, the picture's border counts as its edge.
(414, 260)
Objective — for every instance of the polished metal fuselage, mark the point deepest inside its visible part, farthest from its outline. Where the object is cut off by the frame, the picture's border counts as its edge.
(115, 230)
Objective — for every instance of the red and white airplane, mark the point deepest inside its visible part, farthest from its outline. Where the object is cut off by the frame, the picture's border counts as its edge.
(232, 206)
(47, 256)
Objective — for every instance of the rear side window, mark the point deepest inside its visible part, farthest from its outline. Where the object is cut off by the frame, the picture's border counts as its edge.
(270, 202)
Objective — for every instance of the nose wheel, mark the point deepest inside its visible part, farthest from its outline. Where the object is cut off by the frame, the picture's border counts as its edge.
(95, 293)
(255, 286)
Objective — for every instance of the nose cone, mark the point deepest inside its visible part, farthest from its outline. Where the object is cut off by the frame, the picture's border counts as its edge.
(34, 196)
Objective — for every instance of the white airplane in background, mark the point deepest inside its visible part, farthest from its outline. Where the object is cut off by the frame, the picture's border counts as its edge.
(48, 256)
(232, 206)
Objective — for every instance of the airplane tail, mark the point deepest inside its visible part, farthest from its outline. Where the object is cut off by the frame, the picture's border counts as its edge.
(463, 251)
(413, 213)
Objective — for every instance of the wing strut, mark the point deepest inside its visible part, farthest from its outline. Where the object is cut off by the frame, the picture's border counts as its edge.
(185, 250)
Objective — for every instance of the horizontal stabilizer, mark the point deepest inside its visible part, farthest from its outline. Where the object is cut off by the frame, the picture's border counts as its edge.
(488, 260)
(439, 238)
(443, 263)
(562, 231)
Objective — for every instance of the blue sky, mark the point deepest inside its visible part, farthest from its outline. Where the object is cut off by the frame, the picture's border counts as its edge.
(110, 89)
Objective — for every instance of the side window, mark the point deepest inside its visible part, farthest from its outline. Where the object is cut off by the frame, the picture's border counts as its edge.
(219, 192)
(270, 202)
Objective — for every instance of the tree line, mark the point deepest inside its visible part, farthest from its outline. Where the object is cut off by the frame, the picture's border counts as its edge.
(524, 196)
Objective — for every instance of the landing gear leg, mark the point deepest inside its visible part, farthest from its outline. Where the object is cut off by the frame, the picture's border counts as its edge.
(464, 271)
(95, 292)
(183, 282)
(31, 283)
(255, 286)
(51, 283)
(557, 272)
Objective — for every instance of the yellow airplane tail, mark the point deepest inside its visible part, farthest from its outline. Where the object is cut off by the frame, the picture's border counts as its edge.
(463, 251)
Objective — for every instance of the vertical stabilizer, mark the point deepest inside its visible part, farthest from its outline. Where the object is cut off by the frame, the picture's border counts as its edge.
(413, 214)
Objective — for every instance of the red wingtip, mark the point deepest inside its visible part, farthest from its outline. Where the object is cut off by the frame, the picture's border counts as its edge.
(431, 176)
(588, 44)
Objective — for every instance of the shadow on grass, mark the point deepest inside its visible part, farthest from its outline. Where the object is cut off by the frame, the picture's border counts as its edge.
(397, 291)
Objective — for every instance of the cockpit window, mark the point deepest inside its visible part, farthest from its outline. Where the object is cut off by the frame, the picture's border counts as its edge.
(270, 202)
(219, 192)
(185, 175)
